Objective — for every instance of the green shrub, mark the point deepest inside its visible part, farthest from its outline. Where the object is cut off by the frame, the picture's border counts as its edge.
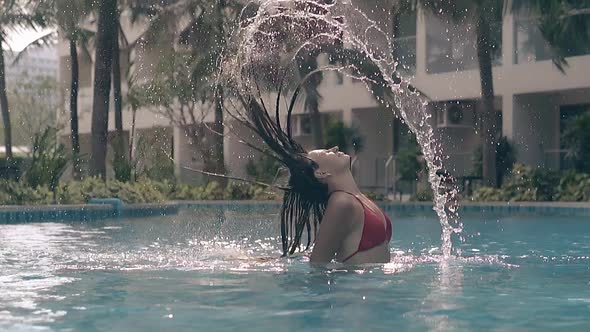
(147, 191)
(154, 190)
(17, 193)
(184, 192)
(126, 192)
(527, 184)
(505, 159)
(12, 169)
(48, 161)
(70, 193)
(212, 191)
(238, 191)
(422, 196)
(261, 193)
(264, 169)
(375, 196)
(574, 187)
(347, 139)
(577, 139)
(488, 194)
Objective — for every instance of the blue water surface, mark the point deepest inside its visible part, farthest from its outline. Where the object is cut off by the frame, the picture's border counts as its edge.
(211, 269)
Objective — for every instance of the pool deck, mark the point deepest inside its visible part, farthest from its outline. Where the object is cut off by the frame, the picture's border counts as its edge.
(106, 210)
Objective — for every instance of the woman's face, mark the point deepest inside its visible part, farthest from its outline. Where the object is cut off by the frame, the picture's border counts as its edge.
(330, 161)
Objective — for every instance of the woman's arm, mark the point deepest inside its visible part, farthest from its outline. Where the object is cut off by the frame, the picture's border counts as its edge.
(336, 224)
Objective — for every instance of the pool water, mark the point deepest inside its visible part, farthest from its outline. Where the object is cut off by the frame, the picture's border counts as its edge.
(212, 269)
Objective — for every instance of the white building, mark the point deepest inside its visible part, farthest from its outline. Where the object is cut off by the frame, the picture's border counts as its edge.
(532, 96)
(34, 62)
(32, 91)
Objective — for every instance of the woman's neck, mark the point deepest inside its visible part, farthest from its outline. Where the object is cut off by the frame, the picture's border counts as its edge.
(343, 182)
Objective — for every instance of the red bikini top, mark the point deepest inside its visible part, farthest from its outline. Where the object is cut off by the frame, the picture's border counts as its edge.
(373, 232)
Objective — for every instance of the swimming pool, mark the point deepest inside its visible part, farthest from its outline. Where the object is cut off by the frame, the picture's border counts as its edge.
(198, 271)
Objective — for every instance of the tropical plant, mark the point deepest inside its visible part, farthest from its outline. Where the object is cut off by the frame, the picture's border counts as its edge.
(264, 169)
(346, 138)
(409, 164)
(201, 30)
(576, 138)
(70, 16)
(564, 24)
(574, 186)
(48, 161)
(152, 161)
(122, 166)
(524, 183)
(15, 17)
(505, 159)
(482, 15)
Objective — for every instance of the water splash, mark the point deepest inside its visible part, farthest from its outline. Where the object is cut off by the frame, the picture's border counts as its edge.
(275, 36)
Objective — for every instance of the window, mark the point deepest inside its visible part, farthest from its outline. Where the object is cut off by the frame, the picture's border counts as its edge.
(531, 46)
(404, 43)
(452, 47)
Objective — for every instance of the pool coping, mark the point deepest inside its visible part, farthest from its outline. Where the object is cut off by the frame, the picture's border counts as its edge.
(544, 208)
(107, 210)
(82, 212)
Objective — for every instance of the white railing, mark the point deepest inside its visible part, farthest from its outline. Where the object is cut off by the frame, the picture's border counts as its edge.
(390, 174)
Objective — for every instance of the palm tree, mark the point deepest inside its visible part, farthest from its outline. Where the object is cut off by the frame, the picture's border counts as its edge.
(482, 14)
(121, 158)
(107, 13)
(16, 16)
(69, 16)
(564, 24)
(201, 28)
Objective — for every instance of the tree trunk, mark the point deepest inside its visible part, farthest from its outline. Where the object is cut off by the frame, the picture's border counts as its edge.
(488, 113)
(117, 83)
(4, 106)
(218, 155)
(76, 171)
(119, 140)
(102, 86)
(131, 144)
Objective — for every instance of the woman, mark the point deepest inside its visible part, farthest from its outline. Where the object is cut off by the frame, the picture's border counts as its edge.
(322, 198)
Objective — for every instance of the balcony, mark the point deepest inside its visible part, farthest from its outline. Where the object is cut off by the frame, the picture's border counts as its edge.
(530, 45)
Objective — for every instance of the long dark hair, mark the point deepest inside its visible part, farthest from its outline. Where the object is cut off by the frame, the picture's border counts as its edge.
(305, 197)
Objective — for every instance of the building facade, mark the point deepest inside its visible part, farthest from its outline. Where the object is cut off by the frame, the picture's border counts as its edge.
(532, 97)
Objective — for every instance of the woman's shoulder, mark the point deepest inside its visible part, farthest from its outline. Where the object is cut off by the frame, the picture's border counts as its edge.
(344, 200)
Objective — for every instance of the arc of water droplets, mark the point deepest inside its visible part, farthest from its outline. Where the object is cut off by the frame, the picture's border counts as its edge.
(411, 105)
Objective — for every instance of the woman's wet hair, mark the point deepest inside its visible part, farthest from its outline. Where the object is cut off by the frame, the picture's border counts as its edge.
(305, 197)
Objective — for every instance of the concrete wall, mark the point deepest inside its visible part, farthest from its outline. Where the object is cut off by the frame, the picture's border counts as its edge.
(375, 126)
(535, 127)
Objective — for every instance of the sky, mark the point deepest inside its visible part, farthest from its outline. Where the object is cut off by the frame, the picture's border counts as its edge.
(17, 42)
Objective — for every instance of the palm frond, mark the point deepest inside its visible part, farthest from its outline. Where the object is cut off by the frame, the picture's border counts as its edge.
(46, 40)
